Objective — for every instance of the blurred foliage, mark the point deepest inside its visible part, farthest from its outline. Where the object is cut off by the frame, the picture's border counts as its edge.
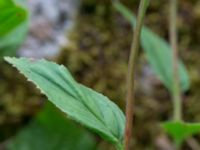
(14, 29)
(16, 16)
(157, 52)
(51, 130)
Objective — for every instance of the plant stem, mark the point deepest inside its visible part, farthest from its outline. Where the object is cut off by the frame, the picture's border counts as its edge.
(177, 100)
(131, 73)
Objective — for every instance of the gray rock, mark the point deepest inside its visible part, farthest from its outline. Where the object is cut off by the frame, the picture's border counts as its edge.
(50, 22)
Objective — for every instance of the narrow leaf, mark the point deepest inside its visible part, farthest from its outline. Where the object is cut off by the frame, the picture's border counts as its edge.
(82, 104)
(10, 18)
(158, 53)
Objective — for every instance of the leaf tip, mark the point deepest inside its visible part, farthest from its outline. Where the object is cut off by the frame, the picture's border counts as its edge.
(9, 59)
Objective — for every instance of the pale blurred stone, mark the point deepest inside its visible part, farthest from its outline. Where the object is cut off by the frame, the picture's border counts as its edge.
(49, 23)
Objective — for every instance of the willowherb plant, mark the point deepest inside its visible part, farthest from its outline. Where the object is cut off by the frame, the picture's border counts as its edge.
(91, 108)
(80, 103)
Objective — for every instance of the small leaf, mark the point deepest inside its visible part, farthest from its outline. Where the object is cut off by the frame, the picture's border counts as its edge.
(10, 18)
(50, 130)
(180, 131)
(82, 104)
(158, 53)
(6, 4)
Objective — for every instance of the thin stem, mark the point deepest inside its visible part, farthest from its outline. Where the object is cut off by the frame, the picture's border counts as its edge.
(131, 73)
(177, 100)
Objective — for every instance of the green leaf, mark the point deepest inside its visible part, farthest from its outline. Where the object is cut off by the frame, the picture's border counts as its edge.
(158, 53)
(10, 17)
(10, 42)
(6, 4)
(50, 130)
(82, 104)
(180, 131)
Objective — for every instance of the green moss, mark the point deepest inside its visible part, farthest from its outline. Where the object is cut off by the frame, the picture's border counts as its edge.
(18, 101)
